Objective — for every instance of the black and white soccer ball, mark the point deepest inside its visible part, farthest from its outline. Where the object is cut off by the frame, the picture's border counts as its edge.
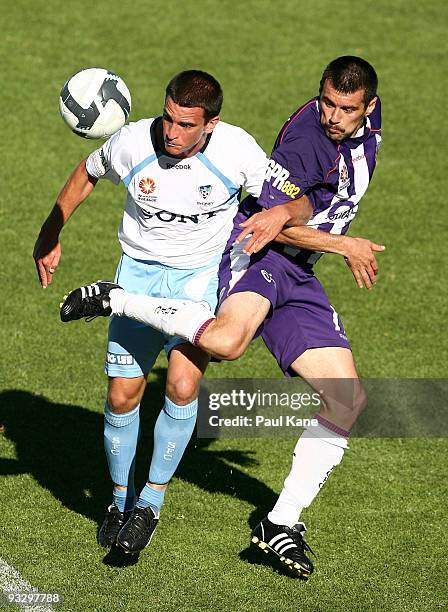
(95, 103)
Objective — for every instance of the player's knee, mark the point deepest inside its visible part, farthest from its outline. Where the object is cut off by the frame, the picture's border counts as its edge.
(360, 400)
(353, 406)
(122, 400)
(232, 347)
(182, 391)
(345, 403)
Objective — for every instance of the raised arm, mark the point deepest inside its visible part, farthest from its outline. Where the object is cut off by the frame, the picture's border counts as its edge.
(47, 250)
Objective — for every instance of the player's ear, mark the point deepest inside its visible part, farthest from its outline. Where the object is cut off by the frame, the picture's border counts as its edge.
(370, 106)
(211, 124)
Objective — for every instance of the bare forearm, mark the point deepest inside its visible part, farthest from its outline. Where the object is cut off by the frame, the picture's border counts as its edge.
(75, 191)
(314, 240)
(47, 250)
(299, 211)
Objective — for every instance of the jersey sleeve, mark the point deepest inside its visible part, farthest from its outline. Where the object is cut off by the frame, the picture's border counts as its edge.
(293, 169)
(252, 166)
(111, 161)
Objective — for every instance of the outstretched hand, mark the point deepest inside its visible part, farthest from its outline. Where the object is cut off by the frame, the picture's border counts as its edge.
(47, 253)
(360, 257)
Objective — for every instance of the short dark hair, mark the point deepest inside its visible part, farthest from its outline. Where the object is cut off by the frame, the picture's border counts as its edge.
(348, 74)
(196, 88)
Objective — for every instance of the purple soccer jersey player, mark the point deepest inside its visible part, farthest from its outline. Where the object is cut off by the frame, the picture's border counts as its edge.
(334, 176)
(322, 163)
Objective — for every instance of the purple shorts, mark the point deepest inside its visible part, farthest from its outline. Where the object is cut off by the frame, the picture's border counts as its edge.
(301, 316)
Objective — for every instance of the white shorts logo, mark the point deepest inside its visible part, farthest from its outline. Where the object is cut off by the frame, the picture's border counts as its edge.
(115, 358)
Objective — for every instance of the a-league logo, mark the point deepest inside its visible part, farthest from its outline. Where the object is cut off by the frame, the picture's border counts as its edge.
(147, 185)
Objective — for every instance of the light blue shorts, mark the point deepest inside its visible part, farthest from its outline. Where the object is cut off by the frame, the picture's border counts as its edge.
(132, 346)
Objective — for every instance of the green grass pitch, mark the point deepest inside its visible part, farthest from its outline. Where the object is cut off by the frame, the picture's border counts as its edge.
(378, 525)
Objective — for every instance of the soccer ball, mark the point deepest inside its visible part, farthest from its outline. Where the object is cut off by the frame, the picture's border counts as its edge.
(95, 103)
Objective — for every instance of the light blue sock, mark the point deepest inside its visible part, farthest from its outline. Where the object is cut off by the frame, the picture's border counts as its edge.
(121, 433)
(172, 433)
(125, 499)
(119, 498)
(151, 497)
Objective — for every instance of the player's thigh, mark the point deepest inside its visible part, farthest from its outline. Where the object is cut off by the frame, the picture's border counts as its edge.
(186, 366)
(248, 289)
(241, 314)
(331, 371)
(325, 362)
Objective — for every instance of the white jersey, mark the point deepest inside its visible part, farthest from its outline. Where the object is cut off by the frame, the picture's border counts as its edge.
(179, 212)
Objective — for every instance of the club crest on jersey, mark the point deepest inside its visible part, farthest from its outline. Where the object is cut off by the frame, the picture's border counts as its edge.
(344, 179)
(147, 185)
(205, 191)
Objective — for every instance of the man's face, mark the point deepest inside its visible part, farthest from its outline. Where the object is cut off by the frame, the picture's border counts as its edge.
(341, 115)
(184, 129)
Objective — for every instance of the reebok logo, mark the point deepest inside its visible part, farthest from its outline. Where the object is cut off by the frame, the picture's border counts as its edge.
(359, 157)
(178, 166)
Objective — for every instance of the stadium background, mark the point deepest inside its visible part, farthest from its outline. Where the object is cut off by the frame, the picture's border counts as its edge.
(378, 524)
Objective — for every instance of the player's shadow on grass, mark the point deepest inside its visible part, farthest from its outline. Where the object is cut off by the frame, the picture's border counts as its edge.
(61, 446)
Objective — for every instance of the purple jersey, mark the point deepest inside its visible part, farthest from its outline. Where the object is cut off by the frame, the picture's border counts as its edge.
(334, 176)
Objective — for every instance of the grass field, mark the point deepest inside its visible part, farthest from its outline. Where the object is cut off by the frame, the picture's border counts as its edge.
(379, 525)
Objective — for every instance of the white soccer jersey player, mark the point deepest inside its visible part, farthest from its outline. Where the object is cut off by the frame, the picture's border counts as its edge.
(179, 212)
